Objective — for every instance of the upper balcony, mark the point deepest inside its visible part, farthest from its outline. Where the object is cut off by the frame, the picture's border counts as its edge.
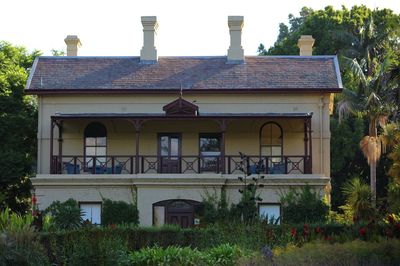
(195, 164)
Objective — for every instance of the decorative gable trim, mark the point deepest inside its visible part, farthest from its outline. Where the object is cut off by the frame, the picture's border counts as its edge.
(181, 107)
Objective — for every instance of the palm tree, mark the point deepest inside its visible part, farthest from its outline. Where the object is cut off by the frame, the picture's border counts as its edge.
(373, 90)
(358, 198)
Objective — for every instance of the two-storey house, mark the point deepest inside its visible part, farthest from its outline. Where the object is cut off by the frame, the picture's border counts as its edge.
(163, 131)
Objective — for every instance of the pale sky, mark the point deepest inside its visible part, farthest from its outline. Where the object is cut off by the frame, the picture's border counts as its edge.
(186, 27)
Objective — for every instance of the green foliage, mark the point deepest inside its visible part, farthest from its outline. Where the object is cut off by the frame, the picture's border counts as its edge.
(119, 212)
(65, 215)
(303, 206)
(17, 127)
(394, 197)
(224, 254)
(14, 223)
(83, 250)
(357, 252)
(169, 256)
(358, 198)
(221, 255)
(18, 241)
(346, 158)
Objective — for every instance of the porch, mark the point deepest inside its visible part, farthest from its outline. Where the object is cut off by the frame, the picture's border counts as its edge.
(273, 144)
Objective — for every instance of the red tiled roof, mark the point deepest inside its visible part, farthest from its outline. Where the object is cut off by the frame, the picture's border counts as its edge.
(88, 74)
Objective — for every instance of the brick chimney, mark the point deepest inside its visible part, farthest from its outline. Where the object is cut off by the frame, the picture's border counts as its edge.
(235, 51)
(148, 54)
(73, 43)
(305, 44)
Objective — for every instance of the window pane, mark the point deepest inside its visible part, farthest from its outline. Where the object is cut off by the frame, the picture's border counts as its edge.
(174, 146)
(101, 151)
(101, 141)
(164, 146)
(276, 150)
(270, 212)
(90, 151)
(92, 212)
(210, 144)
(90, 141)
(266, 151)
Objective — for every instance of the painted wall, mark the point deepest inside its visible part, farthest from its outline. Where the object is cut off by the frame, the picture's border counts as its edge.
(240, 135)
(147, 190)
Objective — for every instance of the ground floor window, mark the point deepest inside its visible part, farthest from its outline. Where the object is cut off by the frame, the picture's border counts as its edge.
(270, 212)
(91, 212)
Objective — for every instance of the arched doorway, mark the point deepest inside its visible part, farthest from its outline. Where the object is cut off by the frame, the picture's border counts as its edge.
(175, 211)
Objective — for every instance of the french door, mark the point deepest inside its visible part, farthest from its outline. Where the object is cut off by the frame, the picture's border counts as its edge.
(169, 152)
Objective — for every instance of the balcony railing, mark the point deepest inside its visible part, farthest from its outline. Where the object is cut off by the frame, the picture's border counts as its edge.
(181, 164)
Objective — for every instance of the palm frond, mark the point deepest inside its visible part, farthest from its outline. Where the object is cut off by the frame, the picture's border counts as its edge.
(371, 148)
(355, 68)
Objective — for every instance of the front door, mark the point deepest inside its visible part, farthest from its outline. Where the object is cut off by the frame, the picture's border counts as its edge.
(169, 152)
(181, 213)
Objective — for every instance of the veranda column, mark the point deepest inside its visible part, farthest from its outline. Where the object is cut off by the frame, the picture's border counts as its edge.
(52, 124)
(60, 145)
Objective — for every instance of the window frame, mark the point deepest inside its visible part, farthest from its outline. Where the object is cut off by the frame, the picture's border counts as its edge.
(85, 156)
(93, 203)
(211, 135)
(260, 138)
(260, 204)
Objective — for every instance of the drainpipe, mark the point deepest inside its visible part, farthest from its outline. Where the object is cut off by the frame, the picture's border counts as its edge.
(321, 127)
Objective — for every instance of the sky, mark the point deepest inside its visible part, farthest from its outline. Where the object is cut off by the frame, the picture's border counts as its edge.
(186, 27)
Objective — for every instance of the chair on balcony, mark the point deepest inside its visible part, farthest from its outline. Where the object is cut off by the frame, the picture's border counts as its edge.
(71, 168)
(277, 168)
(117, 169)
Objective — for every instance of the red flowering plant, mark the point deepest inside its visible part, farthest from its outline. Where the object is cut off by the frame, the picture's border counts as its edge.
(392, 222)
(35, 206)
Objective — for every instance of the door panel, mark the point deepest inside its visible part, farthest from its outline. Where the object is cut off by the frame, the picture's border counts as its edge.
(169, 153)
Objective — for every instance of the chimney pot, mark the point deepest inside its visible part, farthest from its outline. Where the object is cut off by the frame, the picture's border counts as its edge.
(148, 54)
(235, 51)
(305, 43)
(73, 43)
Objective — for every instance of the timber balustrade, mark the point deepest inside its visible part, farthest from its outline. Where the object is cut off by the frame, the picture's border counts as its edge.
(147, 164)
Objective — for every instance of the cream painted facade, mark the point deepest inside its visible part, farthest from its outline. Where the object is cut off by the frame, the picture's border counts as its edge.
(147, 189)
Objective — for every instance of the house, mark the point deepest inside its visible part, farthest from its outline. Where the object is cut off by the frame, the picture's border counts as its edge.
(163, 131)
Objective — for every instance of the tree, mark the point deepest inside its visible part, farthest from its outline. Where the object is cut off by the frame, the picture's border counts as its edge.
(367, 42)
(17, 127)
(372, 94)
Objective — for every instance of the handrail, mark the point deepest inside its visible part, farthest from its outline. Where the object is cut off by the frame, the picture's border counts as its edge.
(229, 164)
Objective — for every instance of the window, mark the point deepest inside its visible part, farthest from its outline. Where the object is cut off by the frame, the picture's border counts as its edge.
(210, 150)
(95, 143)
(270, 212)
(91, 212)
(271, 139)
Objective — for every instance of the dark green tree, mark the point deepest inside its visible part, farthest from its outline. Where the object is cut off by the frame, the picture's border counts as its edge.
(368, 42)
(17, 127)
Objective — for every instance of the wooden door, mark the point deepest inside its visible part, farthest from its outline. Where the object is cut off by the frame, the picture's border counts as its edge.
(169, 153)
(180, 213)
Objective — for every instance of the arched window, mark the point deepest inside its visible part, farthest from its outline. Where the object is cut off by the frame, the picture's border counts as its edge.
(95, 143)
(271, 139)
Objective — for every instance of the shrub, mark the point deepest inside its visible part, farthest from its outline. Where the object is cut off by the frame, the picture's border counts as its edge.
(119, 212)
(304, 206)
(214, 209)
(351, 253)
(18, 242)
(224, 254)
(358, 198)
(169, 256)
(65, 215)
(106, 250)
(173, 255)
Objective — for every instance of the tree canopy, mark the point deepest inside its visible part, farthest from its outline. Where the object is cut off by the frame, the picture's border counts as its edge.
(367, 43)
(17, 127)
